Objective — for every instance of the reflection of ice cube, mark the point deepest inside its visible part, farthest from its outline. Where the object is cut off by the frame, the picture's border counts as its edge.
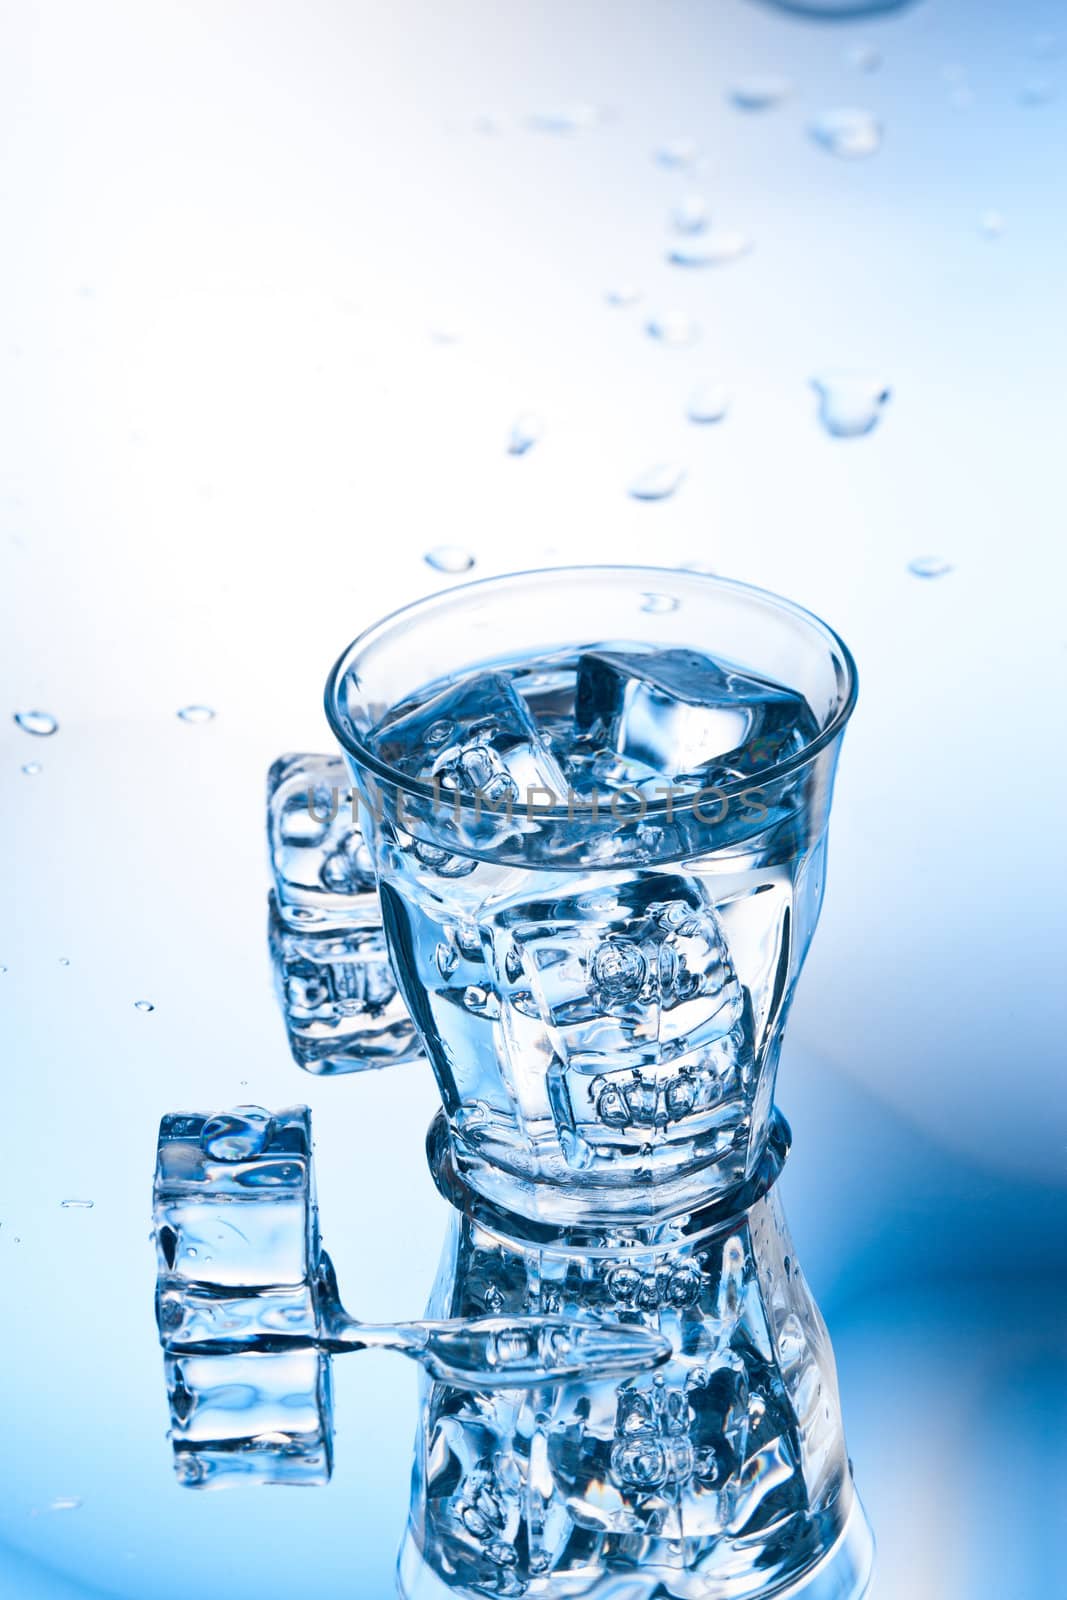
(479, 737)
(339, 997)
(322, 866)
(631, 975)
(681, 713)
(236, 1235)
(249, 1419)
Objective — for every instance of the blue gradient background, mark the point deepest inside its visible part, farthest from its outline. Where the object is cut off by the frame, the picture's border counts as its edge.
(228, 438)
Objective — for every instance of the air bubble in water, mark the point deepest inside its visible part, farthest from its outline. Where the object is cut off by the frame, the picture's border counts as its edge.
(564, 119)
(236, 1135)
(848, 133)
(673, 328)
(64, 961)
(41, 723)
(680, 152)
(929, 567)
(713, 249)
(658, 482)
(850, 405)
(690, 215)
(623, 294)
(143, 1005)
(449, 558)
(526, 430)
(32, 768)
(76, 1205)
(196, 714)
(709, 402)
(759, 92)
(65, 1502)
(659, 604)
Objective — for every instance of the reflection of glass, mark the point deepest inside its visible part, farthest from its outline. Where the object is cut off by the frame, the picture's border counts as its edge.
(601, 853)
(331, 968)
(724, 1473)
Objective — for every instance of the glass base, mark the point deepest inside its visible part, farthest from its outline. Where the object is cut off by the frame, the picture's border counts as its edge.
(843, 1572)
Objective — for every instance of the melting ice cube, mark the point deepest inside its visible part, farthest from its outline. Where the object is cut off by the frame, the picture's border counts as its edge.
(683, 714)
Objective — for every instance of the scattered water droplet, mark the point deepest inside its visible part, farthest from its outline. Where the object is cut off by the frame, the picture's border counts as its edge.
(1038, 92)
(64, 961)
(865, 58)
(929, 567)
(143, 1005)
(991, 224)
(65, 1502)
(449, 558)
(624, 294)
(680, 152)
(41, 723)
(76, 1205)
(658, 604)
(658, 482)
(32, 768)
(760, 92)
(690, 215)
(673, 328)
(713, 249)
(709, 402)
(526, 430)
(564, 119)
(236, 1135)
(848, 133)
(196, 714)
(850, 405)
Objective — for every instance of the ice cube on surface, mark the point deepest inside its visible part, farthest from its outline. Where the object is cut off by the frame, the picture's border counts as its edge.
(342, 1009)
(683, 714)
(478, 736)
(322, 866)
(235, 1229)
(251, 1418)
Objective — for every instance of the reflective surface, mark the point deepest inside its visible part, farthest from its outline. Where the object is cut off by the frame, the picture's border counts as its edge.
(279, 287)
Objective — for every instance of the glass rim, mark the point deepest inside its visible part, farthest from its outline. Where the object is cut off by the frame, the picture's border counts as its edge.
(418, 788)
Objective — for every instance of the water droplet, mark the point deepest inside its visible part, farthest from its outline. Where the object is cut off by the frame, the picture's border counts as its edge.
(65, 1503)
(658, 604)
(525, 432)
(865, 58)
(76, 1205)
(680, 152)
(2, 971)
(236, 1135)
(760, 92)
(64, 961)
(850, 405)
(32, 768)
(658, 482)
(196, 714)
(624, 294)
(991, 224)
(1038, 92)
(709, 402)
(673, 328)
(713, 249)
(690, 215)
(41, 723)
(848, 133)
(564, 119)
(929, 567)
(143, 1005)
(449, 558)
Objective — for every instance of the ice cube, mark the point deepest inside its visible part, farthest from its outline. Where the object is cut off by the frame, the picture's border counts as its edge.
(322, 865)
(235, 1229)
(683, 714)
(479, 737)
(627, 976)
(343, 1011)
(251, 1418)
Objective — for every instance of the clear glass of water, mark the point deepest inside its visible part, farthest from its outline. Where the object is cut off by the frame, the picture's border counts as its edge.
(597, 801)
